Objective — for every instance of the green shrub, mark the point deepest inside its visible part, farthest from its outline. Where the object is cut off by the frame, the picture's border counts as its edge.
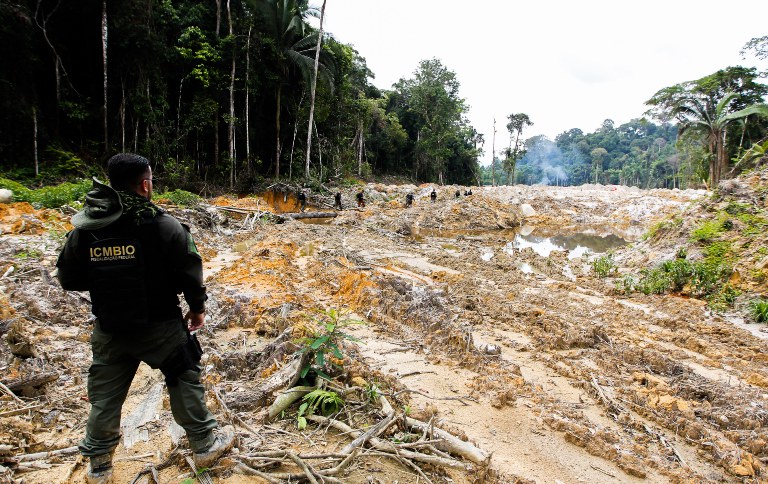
(736, 208)
(654, 281)
(718, 251)
(604, 266)
(723, 298)
(679, 272)
(182, 198)
(48, 197)
(758, 309)
(707, 231)
(626, 284)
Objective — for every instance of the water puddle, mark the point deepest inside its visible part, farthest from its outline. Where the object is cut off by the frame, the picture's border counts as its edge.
(577, 244)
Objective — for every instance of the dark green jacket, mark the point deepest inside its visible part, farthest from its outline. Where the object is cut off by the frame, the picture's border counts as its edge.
(173, 264)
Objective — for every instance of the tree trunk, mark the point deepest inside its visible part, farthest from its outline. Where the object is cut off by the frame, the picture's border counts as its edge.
(493, 155)
(216, 138)
(104, 62)
(178, 118)
(723, 155)
(231, 131)
(34, 137)
(277, 131)
(312, 95)
(218, 17)
(359, 147)
(247, 101)
(295, 133)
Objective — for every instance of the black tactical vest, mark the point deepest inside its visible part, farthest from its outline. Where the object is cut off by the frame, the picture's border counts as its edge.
(130, 276)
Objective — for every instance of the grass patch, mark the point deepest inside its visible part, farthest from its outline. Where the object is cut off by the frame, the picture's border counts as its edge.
(662, 226)
(182, 198)
(708, 230)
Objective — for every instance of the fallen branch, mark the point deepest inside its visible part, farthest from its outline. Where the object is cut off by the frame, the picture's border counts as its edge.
(451, 443)
(8, 391)
(33, 380)
(388, 447)
(41, 455)
(286, 399)
(11, 413)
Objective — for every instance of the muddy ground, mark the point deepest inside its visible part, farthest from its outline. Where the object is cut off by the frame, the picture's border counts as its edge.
(523, 354)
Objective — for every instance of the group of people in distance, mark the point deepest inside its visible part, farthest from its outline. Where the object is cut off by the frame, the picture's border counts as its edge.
(360, 197)
(433, 196)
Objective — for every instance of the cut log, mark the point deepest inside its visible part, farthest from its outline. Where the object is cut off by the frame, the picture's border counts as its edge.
(308, 215)
(31, 380)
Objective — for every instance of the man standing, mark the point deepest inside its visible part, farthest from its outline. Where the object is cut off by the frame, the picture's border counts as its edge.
(134, 259)
(337, 201)
(302, 200)
(433, 195)
(360, 199)
(408, 200)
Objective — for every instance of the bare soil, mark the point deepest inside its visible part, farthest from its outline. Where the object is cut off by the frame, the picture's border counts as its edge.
(532, 359)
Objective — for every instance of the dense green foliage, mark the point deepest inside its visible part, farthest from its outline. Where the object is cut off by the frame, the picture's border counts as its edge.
(218, 94)
(214, 92)
(50, 196)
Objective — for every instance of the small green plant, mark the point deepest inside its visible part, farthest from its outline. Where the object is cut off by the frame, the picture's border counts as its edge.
(372, 392)
(723, 298)
(758, 309)
(626, 284)
(319, 401)
(678, 272)
(654, 281)
(326, 342)
(604, 266)
(27, 253)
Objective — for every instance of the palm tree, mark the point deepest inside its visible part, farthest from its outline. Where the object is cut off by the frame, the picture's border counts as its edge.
(284, 21)
(712, 119)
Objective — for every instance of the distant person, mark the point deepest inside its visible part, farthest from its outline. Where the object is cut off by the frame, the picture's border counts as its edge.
(337, 201)
(469, 192)
(458, 193)
(433, 195)
(408, 200)
(360, 198)
(302, 200)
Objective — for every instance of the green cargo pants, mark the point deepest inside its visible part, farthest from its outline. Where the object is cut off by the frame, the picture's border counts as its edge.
(116, 358)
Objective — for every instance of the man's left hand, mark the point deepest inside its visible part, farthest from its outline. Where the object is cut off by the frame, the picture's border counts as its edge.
(196, 320)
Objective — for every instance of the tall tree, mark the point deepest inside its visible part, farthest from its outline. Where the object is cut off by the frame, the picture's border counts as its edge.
(708, 106)
(284, 22)
(432, 97)
(312, 94)
(517, 122)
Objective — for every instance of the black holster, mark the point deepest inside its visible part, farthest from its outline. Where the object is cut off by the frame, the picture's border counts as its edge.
(184, 357)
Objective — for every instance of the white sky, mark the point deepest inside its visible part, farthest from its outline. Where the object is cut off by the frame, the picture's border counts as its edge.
(565, 63)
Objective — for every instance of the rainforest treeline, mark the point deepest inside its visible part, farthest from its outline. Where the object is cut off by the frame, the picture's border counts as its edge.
(220, 93)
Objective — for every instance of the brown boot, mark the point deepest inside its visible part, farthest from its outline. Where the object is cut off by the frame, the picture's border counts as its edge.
(222, 443)
(100, 469)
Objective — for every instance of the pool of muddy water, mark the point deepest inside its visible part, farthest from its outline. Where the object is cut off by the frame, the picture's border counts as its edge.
(577, 244)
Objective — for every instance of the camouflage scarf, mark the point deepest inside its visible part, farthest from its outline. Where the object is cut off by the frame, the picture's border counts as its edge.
(137, 208)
